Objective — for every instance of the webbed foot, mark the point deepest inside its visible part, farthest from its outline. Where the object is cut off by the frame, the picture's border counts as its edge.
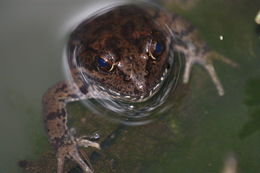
(206, 61)
(71, 151)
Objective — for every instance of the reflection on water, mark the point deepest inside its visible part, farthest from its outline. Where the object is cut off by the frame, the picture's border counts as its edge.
(230, 164)
(257, 18)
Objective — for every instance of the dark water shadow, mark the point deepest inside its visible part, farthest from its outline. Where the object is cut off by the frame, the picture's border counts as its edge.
(257, 29)
(253, 102)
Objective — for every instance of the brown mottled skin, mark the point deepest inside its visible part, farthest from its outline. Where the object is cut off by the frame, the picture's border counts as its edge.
(125, 37)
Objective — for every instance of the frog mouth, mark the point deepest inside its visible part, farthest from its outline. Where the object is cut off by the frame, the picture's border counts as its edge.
(141, 98)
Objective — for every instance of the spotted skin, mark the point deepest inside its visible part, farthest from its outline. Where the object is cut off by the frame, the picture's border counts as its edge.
(125, 37)
(55, 118)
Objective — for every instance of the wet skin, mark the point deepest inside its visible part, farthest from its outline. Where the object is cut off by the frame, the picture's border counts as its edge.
(122, 53)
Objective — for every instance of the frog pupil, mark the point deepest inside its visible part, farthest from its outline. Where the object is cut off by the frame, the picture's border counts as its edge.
(158, 48)
(102, 62)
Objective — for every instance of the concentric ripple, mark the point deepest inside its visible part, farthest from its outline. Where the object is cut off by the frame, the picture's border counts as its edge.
(134, 111)
(127, 109)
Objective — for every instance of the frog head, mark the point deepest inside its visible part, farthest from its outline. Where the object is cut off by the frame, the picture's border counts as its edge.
(122, 51)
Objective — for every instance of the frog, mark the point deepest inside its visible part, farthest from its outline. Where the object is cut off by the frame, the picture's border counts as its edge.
(122, 52)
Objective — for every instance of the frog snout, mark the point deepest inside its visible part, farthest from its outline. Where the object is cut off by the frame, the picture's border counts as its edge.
(139, 82)
(140, 86)
(134, 72)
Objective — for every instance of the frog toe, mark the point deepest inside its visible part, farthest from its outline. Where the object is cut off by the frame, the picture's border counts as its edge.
(208, 65)
(187, 71)
(87, 143)
(71, 152)
(206, 62)
(222, 58)
(60, 164)
(84, 166)
(211, 70)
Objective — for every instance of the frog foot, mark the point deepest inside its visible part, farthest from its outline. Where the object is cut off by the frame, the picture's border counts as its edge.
(71, 151)
(206, 61)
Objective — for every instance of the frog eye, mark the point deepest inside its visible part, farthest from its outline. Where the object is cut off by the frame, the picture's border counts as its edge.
(102, 62)
(158, 48)
(105, 64)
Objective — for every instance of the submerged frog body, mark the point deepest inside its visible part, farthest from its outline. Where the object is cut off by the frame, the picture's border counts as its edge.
(121, 53)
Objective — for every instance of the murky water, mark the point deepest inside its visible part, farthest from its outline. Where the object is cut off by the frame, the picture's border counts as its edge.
(206, 133)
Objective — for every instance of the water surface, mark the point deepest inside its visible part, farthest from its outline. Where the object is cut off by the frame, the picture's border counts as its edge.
(200, 134)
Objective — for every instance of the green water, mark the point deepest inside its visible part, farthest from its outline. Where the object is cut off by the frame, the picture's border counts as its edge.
(198, 136)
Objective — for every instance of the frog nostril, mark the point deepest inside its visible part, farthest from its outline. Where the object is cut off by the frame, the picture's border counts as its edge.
(140, 86)
(127, 77)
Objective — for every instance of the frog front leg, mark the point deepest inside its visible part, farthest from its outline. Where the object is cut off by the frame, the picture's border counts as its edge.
(195, 50)
(60, 136)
